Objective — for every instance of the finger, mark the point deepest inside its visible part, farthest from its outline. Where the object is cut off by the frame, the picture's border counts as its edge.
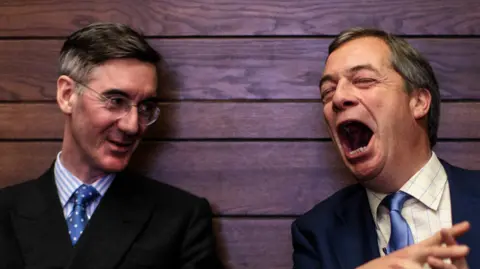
(453, 252)
(456, 230)
(436, 263)
(450, 241)
(459, 228)
(460, 263)
(447, 237)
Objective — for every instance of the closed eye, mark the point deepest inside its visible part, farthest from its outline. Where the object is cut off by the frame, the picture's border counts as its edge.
(364, 82)
(327, 94)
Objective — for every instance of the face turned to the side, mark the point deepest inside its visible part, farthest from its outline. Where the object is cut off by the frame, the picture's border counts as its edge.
(98, 139)
(371, 117)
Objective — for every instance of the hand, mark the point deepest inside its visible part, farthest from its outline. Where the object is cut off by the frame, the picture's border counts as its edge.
(430, 249)
(436, 263)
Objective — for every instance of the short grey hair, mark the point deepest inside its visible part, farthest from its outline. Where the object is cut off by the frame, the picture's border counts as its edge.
(409, 63)
(97, 43)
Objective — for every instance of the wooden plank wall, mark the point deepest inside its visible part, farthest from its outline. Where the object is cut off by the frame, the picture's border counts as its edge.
(243, 124)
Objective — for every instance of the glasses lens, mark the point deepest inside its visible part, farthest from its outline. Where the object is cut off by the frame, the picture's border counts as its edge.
(148, 112)
(119, 107)
(151, 117)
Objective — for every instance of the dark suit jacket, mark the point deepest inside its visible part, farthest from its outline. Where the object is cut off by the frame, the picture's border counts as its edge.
(139, 223)
(339, 233)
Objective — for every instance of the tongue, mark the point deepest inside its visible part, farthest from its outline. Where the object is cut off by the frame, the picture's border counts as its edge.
(358, 135)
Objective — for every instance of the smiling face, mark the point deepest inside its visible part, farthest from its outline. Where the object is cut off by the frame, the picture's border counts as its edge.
(95, 139)
(370, 116)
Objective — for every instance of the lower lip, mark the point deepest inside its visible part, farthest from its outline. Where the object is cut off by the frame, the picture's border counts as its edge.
(118, 148)
(359, 153)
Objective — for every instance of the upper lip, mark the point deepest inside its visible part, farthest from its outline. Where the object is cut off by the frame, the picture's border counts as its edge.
(343, 122)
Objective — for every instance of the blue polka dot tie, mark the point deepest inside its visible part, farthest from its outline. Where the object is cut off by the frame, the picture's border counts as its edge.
(78, 219)
(401, 235)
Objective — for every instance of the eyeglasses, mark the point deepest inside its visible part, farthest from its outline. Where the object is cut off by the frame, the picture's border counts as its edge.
(119, 106)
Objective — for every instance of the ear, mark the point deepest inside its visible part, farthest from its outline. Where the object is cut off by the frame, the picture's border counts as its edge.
(420, 100)
(65, 93)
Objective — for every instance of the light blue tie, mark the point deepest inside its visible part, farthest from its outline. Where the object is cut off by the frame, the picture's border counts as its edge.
(401, 235)
(78, 219)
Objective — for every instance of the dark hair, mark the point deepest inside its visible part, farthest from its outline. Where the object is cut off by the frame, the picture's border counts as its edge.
(409, 63)
(99, 42)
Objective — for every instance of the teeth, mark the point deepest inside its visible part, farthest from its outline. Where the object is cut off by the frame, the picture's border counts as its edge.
(362, 149)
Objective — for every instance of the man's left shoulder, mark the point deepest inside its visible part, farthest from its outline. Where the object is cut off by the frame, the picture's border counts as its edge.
(459, 172)
(462, 180)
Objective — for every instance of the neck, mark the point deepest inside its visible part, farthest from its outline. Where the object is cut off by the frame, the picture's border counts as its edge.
(77, 164)
(399, 169)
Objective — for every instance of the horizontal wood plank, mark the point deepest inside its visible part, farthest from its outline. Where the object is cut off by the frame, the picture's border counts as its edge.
(229, 17)
(224, 120)
(240, 178)
(222, 69)
(255, 243)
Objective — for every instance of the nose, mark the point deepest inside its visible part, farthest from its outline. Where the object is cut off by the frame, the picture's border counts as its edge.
(343, 97)
(129, 123)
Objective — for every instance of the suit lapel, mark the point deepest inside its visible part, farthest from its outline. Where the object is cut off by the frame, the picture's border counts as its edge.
(355, 240)
(114, 225)
(465, 200)
(40, 224)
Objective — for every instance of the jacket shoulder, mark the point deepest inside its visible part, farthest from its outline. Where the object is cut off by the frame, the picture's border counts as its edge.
(323, 213)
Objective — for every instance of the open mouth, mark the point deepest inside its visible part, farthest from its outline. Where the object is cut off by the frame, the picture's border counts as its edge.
(354, 136)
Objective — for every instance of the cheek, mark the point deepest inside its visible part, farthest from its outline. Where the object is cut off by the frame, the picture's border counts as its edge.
(92, 126)
(329, 119)
(101, 124)
(327, 114)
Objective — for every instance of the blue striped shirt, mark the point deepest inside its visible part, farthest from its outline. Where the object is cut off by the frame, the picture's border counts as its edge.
(68, 183)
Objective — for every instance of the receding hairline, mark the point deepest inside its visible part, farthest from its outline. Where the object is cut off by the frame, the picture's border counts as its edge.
(359, 38)
(361, 66)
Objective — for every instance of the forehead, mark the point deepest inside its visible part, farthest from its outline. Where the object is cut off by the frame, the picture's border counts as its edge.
(129, 75)
(362, 51)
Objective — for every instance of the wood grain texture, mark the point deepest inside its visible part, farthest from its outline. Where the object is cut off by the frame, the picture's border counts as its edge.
(240, 178)
(224, 120)
(255, 243)
(230, 17)
(223, 69)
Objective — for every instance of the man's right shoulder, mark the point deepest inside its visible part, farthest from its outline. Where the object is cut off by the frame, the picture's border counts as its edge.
(324, 213)
(10, 194)
(19, 187)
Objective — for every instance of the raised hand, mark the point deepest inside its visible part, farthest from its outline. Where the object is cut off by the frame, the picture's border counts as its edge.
(430, 250)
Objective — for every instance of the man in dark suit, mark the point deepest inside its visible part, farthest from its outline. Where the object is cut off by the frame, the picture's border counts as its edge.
(86, 210)
(381, 104)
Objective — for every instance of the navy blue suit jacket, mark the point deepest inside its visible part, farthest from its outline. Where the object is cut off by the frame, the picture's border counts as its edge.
(339, 233)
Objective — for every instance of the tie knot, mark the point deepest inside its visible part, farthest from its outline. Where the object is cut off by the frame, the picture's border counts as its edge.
(395, 201)
(85, 194)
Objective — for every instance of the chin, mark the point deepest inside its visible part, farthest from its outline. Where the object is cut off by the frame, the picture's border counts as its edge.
(367, 173)
(114, 164)
(367, 167)
(363, 175)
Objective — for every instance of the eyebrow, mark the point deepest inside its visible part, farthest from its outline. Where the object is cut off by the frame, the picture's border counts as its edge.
(368, 67)
(350, 71)
(154, 99)
(325, 79)
(115, 91)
